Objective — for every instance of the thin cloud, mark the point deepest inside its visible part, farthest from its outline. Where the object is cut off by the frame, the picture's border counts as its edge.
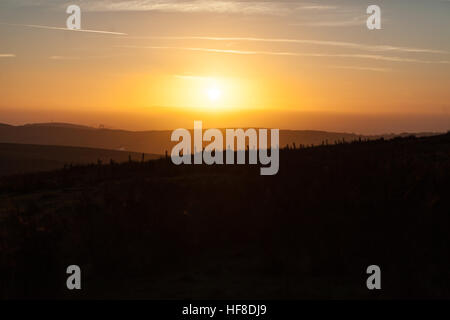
(63, 58)
(56, 57)
(64, 29)
(351, 45)
(7, 55)
(249, 7)
(215, 6)
(318, 7)
(345, 23)
(296, 54)
(374, 69)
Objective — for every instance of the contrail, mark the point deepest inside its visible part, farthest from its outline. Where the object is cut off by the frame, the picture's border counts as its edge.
(303, 41)
(64, 29)
(295, 54)
(7, 55)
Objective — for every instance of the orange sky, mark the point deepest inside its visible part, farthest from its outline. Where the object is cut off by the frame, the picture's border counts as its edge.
(311, 66)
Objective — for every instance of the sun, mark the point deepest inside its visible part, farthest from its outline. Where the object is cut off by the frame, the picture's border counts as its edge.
(214, 94)
(205, 93)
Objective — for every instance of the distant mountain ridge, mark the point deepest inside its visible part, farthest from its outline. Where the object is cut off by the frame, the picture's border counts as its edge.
(152, 142)
(59, 125)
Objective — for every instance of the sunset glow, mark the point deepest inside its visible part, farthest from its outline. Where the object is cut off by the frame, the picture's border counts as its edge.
(254, 61)
(257, 151)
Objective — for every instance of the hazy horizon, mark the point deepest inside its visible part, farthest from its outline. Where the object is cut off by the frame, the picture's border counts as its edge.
(365, 124)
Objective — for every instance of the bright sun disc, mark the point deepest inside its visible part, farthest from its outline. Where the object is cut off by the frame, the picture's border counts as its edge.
(214, 94)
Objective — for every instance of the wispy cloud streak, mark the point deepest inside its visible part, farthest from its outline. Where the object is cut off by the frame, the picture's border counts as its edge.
(187, 6)
(63, 58)
(64, 29)
(350, 22)
(351, 45)
(296, 54)
(362, 68)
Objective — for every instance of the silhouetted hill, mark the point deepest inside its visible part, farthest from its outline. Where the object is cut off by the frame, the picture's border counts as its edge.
(22, 158)
(153, 142)
(59, 125)
(156, 230)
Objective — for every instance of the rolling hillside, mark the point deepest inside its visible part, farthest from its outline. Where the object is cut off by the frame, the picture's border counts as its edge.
(159, 231)
(22, 158)
(152, 142)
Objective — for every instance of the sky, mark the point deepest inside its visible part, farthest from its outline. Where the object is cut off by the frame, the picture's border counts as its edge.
(161, 64)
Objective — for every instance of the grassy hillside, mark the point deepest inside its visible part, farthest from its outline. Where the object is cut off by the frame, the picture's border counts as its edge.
(152, 142)
(21, 158)
(154, 230)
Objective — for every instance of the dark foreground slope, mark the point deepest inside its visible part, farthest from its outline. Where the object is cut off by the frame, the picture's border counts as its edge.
(25, 158)
(154, 230)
